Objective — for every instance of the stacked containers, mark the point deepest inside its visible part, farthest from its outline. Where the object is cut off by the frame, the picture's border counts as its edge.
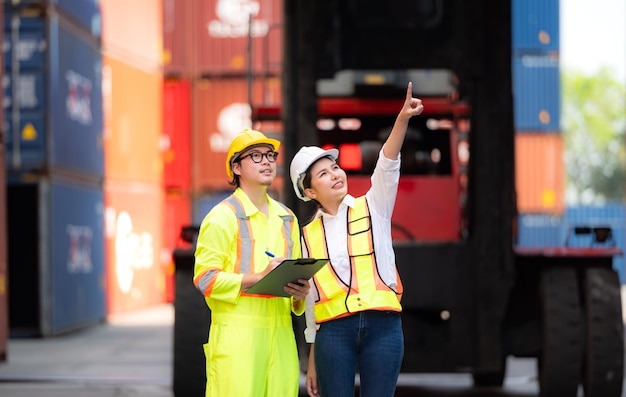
(231, 59)
(54, 160)
(539, 169)
(133, 187)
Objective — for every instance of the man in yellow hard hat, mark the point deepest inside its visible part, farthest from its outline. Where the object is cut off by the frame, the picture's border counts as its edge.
(251, 349)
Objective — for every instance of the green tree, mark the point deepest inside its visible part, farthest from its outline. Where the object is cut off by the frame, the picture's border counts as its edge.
(593, 122)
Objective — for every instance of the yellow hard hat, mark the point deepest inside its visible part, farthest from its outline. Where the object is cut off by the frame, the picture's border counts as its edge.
(244, 140)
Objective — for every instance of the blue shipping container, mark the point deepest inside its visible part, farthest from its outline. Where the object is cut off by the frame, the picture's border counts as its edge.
(536, 92)
(56, 256)
(86, 13)
(204, 203)
(535, 25)
(77, 254)
(612, 215)
(60, 99)
(543, 230)
(539, 230)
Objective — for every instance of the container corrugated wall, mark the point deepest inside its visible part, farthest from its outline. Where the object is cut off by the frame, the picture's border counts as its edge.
(133, 122)
(176, 140)
(77, 251)
(132, 31)
(60, 64)
(55, 170)
(56, 256)
(539, 173)
(537, 91)
(132, 35)
(540, 230)
(210, 37)
(535, 25)
(85, 13)
(134, 225)
(220, 111)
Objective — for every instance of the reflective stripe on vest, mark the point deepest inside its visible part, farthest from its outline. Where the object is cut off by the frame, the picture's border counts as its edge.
(245, 240)
(366, 290)
(244, 244)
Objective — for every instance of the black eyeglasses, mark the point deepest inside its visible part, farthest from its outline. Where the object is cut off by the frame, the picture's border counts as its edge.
(257, 157)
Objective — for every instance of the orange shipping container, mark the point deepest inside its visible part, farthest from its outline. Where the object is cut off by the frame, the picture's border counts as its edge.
(539, 173)
(133, 31)
(134, 223)
(210, 37)
(176, 140)
(220, 111)
(132, 122)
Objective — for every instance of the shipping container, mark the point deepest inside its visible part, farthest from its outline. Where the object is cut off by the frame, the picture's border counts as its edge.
(134, 220)
(535, 25)
(536, 91)
(177, 215)
(203, 203)
(220, 110)
(53, 116)
(84, 13)
(216, 37)
(132, 31)
(540, 230)
(56, 256)
(176, 139)
(539, 173)
(133, 122)
(611, 215)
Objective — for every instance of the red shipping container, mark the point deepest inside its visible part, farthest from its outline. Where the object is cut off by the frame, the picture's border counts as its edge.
(132, 31)
(133, 233)
(132, 122)
(176, 139)
(539, 173)
(177, 215)
(211, 37)
(220, 111)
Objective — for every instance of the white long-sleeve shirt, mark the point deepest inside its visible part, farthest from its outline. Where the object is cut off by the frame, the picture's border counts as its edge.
(381, 198)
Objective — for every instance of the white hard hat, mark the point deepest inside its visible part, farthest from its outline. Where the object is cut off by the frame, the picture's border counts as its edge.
(306, 156)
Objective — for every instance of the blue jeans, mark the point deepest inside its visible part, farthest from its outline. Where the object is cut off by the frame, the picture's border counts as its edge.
(371, 341)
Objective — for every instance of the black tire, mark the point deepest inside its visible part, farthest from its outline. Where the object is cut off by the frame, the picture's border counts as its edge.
(604, 351)
(560, 361)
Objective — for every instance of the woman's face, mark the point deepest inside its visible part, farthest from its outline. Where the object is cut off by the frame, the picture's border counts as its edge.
(328, 182)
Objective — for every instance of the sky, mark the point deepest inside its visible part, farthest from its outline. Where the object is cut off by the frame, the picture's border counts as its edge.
(592, 35)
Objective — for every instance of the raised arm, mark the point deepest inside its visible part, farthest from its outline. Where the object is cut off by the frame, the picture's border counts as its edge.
(412, 107)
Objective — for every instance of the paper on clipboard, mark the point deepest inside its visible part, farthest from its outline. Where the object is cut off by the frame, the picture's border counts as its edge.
(289, 270)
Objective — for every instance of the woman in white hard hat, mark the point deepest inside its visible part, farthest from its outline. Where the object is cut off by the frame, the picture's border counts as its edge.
(251, 350)
(353, 307)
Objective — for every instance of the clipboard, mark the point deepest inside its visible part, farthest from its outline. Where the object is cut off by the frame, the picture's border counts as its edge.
(289, 270)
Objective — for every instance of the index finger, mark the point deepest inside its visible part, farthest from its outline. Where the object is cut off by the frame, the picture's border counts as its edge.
(409, 91)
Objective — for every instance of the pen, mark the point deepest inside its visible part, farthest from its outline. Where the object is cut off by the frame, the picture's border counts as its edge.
(269, 254)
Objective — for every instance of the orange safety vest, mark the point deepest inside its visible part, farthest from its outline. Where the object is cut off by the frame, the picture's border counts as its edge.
(366, 290)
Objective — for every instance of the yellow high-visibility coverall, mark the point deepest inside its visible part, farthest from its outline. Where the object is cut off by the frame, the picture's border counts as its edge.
(251, 349)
